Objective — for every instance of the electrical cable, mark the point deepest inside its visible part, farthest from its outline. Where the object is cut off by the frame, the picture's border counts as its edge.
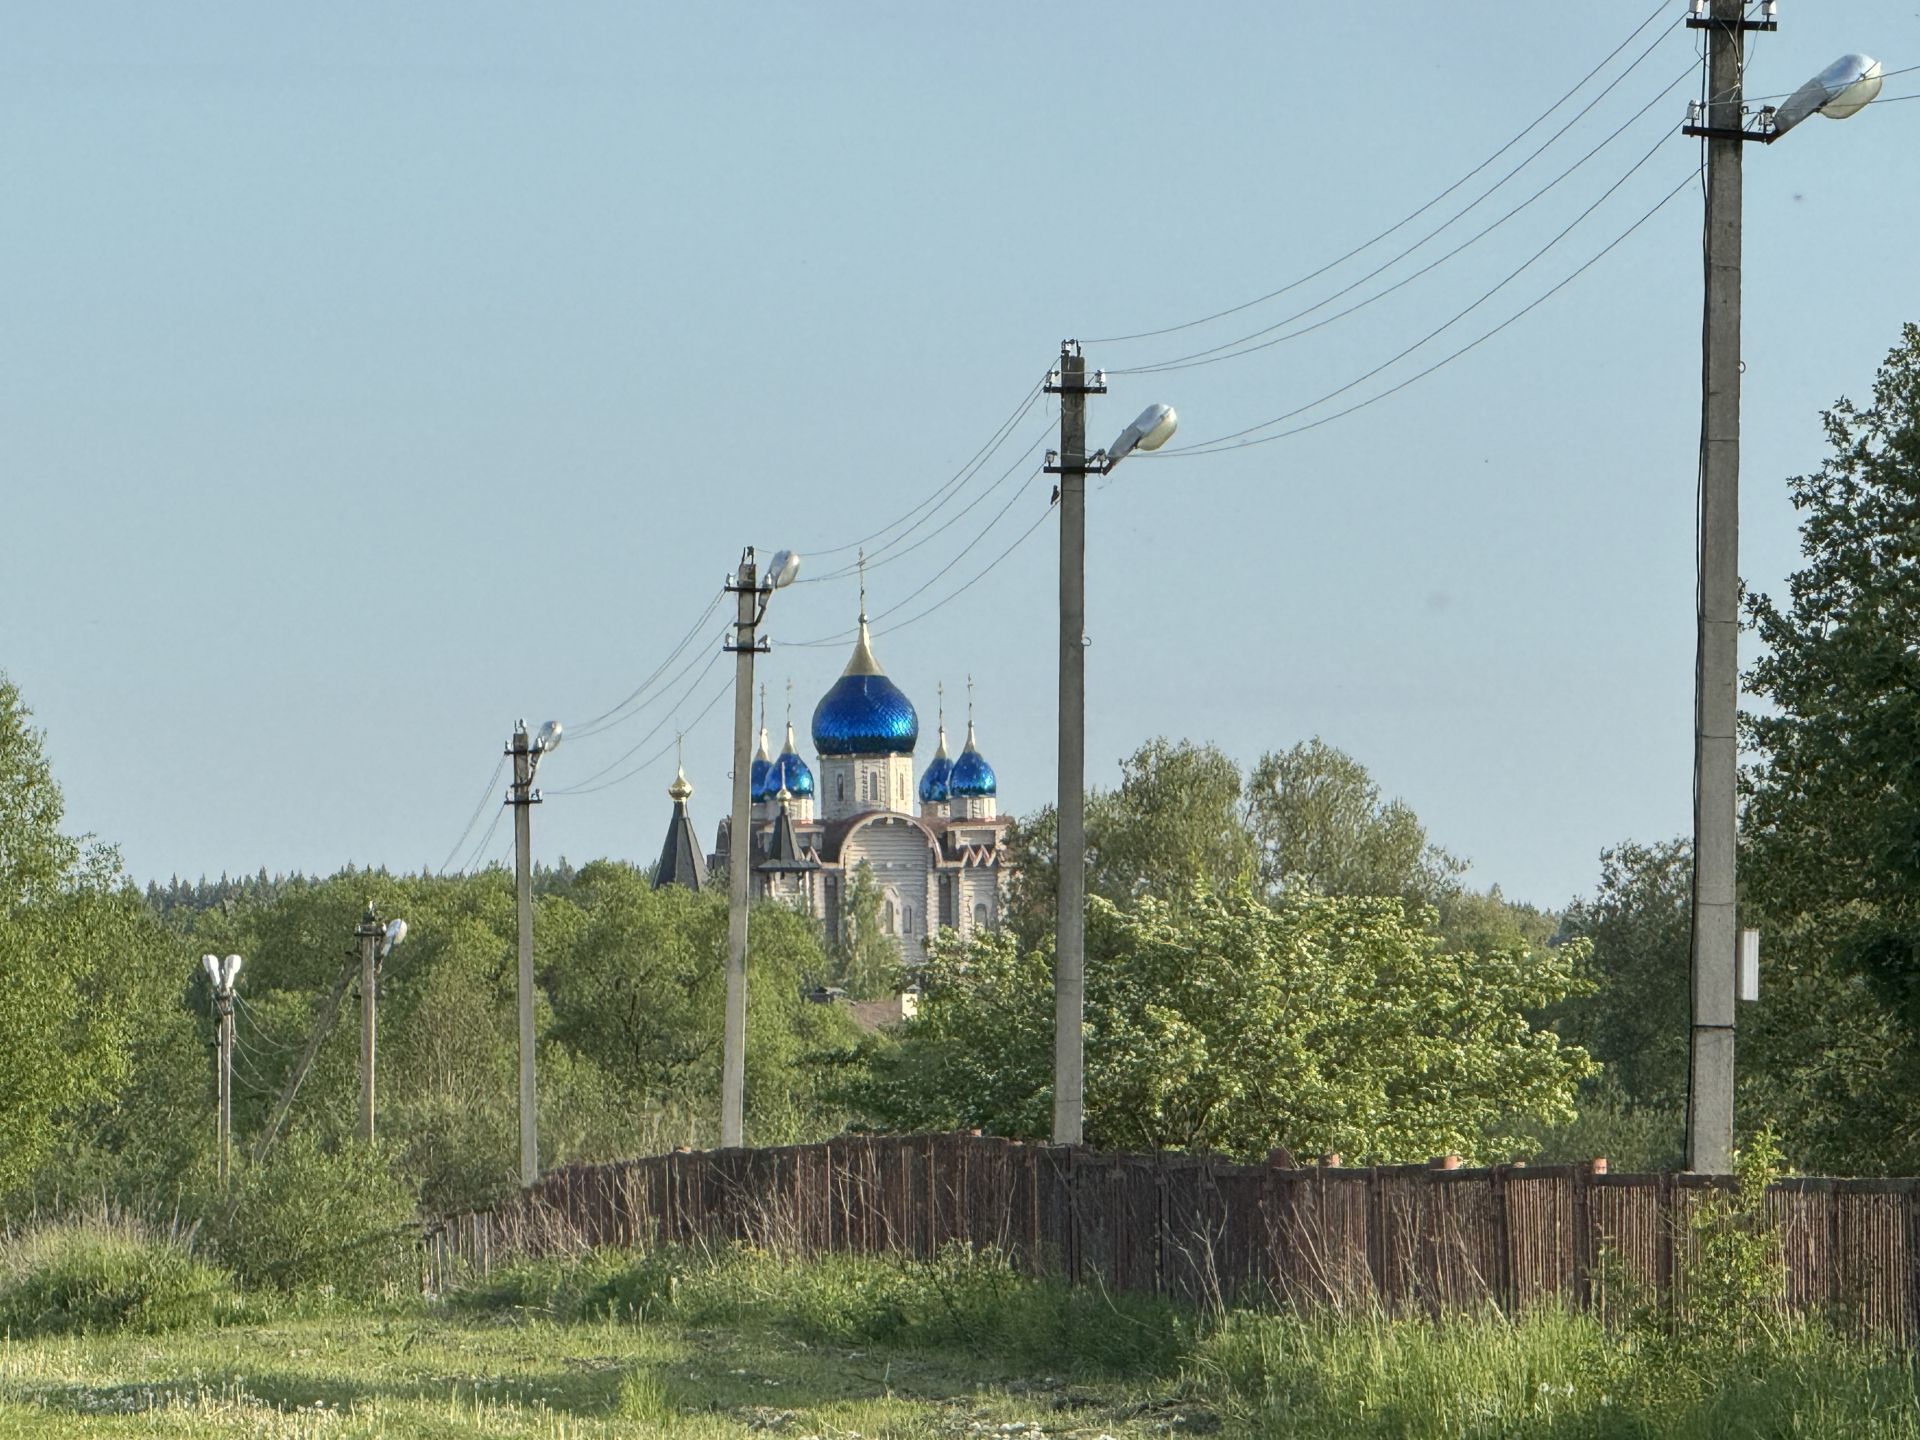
(1026, 402)
(586, 785)
(492, 780)
(244, 1007)
(590, 727)
(888, 557)
(841, 637)
(1408, 219)
(655, 698)
(644, 765)
(473, 856)
(947, 600)
(1195, 451)
(1234, 440)
(1213, 355)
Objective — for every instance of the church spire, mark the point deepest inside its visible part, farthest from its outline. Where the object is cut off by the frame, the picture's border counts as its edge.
(681, 862)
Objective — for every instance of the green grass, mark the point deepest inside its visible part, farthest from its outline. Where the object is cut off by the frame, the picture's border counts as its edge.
(740, 1343)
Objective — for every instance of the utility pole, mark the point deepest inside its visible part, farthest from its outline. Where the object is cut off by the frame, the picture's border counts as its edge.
(745, 586)
(370, 932)
(1717, 665)
(1070, 920)
(522, 797)
(223, 978)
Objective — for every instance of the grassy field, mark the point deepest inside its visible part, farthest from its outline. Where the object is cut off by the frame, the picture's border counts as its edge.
(423, 1376)
(615, 1345)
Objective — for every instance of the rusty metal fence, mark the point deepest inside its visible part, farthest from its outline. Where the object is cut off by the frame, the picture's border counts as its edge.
(1403, 1239)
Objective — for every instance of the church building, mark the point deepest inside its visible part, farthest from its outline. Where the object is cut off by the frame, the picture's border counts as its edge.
(935, 846)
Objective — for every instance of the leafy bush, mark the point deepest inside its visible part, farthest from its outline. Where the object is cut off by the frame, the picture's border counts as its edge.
(314, 1220)
(106, 1273)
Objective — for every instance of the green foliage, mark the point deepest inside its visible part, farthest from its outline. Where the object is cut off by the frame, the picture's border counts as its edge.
(83, 964)
(867, 958)
(1318, 819)
(106, 1272)
(1635, 1019)
(1736, 1284)
(1227, 1024)
(1832, 820)
(314, 1220)
(1633, 1138)
(1308, 818)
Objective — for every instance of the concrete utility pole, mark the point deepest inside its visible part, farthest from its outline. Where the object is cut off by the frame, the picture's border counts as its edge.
(1717, 670)
(1070, 920)
(223, 1122)
(522, 797)
(369, 932)
(745, 586)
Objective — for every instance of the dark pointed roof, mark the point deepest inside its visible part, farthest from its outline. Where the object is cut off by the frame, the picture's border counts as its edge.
(681, 862)
(783, 846)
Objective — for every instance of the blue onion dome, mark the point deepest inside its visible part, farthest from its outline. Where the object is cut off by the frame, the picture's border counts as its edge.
(933, 784)
(790, 772)
(971, 775)
(762, 789)
(864, 713)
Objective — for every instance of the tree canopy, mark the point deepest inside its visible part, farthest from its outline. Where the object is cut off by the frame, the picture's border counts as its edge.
(1227, 1022)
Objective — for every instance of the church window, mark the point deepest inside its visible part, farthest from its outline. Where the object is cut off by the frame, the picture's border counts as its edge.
(840, 787)
(979, 917)
(906, 921)
(886, 917)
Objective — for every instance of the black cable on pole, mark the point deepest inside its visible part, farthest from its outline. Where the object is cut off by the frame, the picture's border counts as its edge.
(1213, 355)
(1216, 447)
(1407, 219)
(1233, 440)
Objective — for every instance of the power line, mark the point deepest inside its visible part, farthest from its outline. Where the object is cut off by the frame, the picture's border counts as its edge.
(655, 698)
(1215, 447)
(473, 856)
(1438, 330)
(1026, 402)
(887, 558)
(474, 819)
(841, 637)
(1214, 354)
(644, 765)
(589, 727)
(585, 786)
(1409, 218)
(986, 570)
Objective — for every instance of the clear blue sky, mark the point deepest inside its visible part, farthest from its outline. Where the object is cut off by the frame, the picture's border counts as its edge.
(373, 375)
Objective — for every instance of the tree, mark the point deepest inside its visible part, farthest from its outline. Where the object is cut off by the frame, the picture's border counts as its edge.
(1222, 1022)
(82, 961)
(866, 958)
(1635, 1020)
(1832, 817)
(1174, 824)
(1318, 819)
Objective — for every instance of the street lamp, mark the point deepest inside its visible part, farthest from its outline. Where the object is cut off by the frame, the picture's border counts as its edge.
(754, 590)
(220, 975)
(1840, 90)
(1072, 464)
